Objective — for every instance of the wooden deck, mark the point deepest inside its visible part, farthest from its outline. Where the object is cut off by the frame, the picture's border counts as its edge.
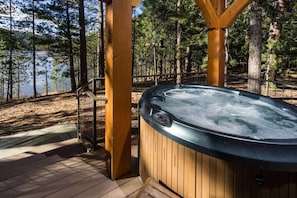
(51, 163)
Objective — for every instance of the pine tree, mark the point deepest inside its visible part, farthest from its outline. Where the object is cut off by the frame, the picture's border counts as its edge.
(83, 47)
(255, 46)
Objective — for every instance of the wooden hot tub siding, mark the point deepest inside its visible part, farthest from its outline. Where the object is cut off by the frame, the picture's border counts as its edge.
(193, 174)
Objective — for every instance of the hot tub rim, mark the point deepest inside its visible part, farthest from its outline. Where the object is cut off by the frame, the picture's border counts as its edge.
(247, 150)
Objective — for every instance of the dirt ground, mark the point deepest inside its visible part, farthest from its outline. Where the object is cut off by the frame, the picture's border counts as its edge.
(29, 114)
(46, 111)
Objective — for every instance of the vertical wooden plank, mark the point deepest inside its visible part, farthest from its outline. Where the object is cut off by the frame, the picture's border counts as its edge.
(248, 185)
(199, 175)
(155, 150)
(238, 182)
(181, 167)
(256, 187)
(205, 176)
(143, 150)
(150, 162)
(164, 159)
(293, 185)
(118, 86)
(284, 184)
(212, 177)
(265, 188)
(190, 173)
(275, 185)
(160, 156)
(174, 166)
(169, 163)
(229, 180)
(250, 182)
(220, 178)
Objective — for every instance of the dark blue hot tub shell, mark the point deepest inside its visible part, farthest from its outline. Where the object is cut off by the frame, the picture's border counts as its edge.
(269, 154)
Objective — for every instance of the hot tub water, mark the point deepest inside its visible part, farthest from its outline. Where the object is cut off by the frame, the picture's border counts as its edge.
(233, 114)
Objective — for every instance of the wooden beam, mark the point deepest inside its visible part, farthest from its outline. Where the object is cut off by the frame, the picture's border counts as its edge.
(135, 3)
(217, 18)
(118, 86)
(232, 12)
(208, 12)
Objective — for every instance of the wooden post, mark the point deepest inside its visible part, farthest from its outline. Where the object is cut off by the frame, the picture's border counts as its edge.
(216, 48)
(216, 57)
(118, 86)
(217, 19)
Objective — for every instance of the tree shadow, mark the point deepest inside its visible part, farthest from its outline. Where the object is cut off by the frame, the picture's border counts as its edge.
(35, 118)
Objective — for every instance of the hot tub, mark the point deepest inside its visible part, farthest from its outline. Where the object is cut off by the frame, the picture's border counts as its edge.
(204, 141)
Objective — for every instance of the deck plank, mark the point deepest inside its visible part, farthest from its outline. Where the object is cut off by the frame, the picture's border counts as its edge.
(43, 168)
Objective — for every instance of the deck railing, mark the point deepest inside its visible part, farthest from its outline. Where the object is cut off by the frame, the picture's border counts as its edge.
(91, 113)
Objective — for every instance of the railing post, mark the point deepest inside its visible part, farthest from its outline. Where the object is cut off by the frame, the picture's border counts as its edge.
(94, 116)
(78, 115)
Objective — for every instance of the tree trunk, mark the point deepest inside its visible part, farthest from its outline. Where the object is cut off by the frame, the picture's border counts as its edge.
(226, 58)
(178, 50)
(274, 34)
(254, 62)
(10, 79)
(101, 49)
(161, 57)
(83, 46)
(188, 62)
(70, 49)
(34, 50)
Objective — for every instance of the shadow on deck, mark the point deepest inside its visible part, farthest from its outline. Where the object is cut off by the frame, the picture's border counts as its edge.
(51, 163)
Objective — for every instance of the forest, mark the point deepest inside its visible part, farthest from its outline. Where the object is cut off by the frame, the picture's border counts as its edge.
(63, 41)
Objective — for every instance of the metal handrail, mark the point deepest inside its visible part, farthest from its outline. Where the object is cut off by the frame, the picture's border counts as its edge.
(85, 90)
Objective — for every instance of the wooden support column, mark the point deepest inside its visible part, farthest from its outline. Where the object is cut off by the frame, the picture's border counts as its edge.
(118, 86)
(217, 19)
(216, 57)
(216, 48)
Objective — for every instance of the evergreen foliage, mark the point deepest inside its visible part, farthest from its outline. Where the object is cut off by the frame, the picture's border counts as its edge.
(154, 37)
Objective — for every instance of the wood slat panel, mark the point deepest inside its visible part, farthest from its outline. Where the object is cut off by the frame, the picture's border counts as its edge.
(198, 175)
(292, 185)
(150, 151)
(169, 162)
(229, 180)
(180, 165)
(237, 181)
(275, 185)
(155, 150)
(160, 155)
(164, 159)
(212, 172)
(175, 168)
(266, 186)
(193, 174)
(220, 178)
(190, 169)
(248, 180)
(284, 185)
(205, 176)
(142, 150)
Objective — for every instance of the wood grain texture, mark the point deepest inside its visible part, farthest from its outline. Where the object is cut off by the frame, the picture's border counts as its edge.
(191, 173)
